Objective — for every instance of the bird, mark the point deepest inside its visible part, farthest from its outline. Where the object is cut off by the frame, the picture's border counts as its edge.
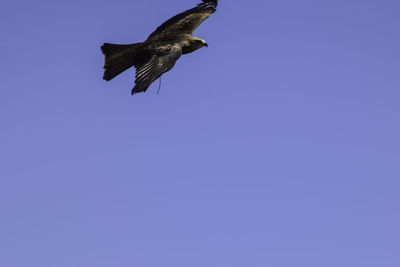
(160, 51)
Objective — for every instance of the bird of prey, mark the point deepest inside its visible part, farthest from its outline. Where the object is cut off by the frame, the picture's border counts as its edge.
(161, 50)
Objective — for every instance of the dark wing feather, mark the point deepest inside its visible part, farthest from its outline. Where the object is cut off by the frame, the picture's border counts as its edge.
(186, 22)
(163, 59)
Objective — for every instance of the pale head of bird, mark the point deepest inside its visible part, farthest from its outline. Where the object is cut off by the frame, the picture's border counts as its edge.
(192, 44)
(197, 43)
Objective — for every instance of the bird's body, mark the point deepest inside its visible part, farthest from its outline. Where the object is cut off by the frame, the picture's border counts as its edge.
(159, 53)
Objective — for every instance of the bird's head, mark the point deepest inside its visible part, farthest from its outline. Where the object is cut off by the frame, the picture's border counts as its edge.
(192, 44)
(198, 43)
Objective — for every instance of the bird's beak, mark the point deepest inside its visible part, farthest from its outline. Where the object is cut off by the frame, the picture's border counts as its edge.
(205, 44)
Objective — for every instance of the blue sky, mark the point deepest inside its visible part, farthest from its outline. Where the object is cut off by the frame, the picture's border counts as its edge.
(278, 145)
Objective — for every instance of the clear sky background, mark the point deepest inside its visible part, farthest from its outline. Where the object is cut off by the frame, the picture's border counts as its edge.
(276, 146)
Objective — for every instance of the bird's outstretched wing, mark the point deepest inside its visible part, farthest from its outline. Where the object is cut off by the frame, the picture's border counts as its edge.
(186, 22)
(161, 60)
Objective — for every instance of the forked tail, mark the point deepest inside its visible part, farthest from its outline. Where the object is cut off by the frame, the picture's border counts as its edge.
(118, 58)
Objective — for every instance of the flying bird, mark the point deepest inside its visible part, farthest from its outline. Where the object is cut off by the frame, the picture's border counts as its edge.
(159, 53)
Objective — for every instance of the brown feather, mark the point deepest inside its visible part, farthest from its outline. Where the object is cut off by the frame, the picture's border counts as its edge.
(185, 22)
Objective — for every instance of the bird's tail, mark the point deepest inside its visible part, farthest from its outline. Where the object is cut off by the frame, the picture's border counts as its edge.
(118, 58)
